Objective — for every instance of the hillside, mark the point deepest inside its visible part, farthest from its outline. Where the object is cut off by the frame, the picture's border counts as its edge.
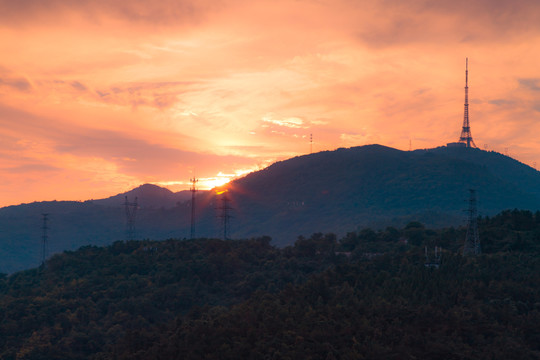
(331, 191)
(363, 186)
(365, 295)
(161, 214)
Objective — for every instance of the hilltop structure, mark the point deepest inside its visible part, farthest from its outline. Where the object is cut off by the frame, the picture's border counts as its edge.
(465, 139)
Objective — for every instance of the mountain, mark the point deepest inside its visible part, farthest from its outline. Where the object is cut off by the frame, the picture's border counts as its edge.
(364, 186)
(72, 224)
(148, 196)
(331, 191)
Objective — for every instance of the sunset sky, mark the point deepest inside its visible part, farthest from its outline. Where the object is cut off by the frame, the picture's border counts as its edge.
(97, 97)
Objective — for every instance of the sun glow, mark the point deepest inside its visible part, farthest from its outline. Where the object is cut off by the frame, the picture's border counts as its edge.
(212, 182)
(221, 178)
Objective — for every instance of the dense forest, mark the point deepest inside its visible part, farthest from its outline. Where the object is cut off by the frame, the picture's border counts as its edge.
(367, 295)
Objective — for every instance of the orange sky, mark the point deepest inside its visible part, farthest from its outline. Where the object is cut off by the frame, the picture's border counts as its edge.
(97, 97)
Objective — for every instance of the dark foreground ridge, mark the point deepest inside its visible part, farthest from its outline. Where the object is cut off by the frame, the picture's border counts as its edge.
(331, 191)
(367, 295)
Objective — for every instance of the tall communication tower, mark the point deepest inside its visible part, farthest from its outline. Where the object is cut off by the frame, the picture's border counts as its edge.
(45, 240)
(472, 240)
(224, 213)
(466, 136)
(193, 190)
(131, 212)
(311, 143)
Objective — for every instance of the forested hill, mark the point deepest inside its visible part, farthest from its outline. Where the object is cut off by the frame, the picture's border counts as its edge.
(372, 185)
(366, 295)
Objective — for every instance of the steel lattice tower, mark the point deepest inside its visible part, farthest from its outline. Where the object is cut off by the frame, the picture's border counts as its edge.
(224, 213)
(472, 240)
(131, 211)
(193, 191)
(45, 240)
(466, 136)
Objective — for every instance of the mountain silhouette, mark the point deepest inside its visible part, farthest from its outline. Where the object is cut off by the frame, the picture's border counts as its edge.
(376, 185)
(148, 196)
(332, 191)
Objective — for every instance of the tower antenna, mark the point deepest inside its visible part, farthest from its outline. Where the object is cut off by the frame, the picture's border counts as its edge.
(311, 143)
(193, 190)
(466, 136)
(131, 211)
(472, 240)
(45, 240)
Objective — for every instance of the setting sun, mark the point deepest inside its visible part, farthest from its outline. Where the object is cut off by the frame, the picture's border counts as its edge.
(210, 183)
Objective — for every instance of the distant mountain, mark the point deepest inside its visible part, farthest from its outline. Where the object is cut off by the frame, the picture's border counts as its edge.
(148, 196)
(73, 224)
(331, 191)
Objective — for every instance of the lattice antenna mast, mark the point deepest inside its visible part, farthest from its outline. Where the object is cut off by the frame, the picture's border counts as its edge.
(45, 240)
(193, 190)
(225, 214)
(311, 143)
(472, 240)
(466, 136)
(131, 212)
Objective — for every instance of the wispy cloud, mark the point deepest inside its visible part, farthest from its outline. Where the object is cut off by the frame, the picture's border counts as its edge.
(530, 84)
(290, 122)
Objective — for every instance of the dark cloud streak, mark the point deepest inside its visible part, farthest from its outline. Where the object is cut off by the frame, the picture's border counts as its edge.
(164, 12)
(20, 84)
(530, 84)
(398, 22)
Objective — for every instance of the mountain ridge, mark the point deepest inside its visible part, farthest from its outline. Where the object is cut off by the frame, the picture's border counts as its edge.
(332, 191)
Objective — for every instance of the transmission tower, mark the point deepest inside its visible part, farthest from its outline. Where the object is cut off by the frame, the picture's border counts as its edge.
(225, 213)
(466, 136)
(311, 143)
(472, 240)
(193, 191)
(435, 260)
(131, 211)
(45, 240)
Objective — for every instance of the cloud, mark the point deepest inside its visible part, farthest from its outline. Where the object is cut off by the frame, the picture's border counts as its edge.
(291, 122)
(150, 12)
(131, 90)
(17, 83)
(393, 22)
(502, 102)
(530, 84)
(31, 168)
(136, 157)
(78, 86)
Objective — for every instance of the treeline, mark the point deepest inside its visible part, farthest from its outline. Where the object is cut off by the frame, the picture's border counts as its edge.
(367, 295)
(81, 303)
(387, 308)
